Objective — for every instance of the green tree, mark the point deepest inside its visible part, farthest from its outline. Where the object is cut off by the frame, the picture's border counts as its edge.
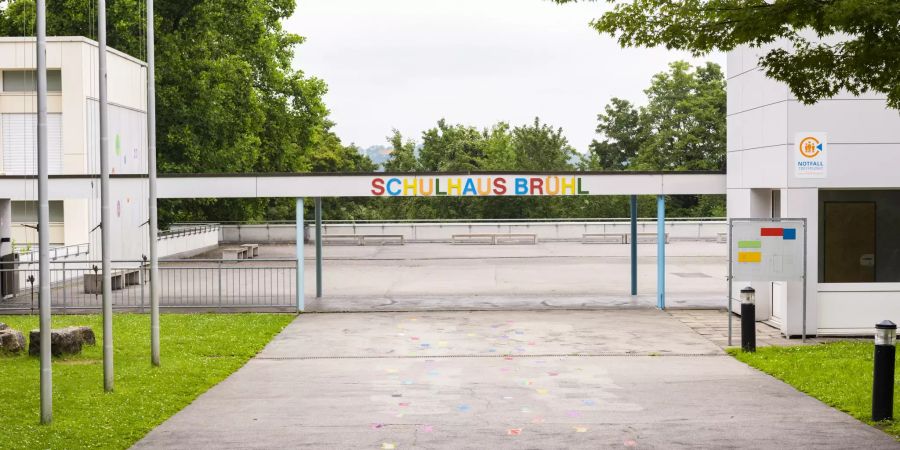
(620, 125)
(451, 148)
(830, 45)
(682, 126)
(541, 148)
(403, 154)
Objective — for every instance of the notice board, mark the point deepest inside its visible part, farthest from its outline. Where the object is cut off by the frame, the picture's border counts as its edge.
(768, 249)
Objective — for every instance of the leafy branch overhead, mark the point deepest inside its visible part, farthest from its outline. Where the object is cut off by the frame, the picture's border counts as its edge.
(817, 47)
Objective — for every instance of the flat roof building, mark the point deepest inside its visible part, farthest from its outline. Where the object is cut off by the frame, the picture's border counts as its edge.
(73, 139)
(835, 164)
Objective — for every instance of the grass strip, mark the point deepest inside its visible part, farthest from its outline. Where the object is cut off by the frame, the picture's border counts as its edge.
(198, 351)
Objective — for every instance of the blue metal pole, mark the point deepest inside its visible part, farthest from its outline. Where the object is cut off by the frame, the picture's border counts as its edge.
(634, 255)
(300, 286)
(661, 252)
(318, 216)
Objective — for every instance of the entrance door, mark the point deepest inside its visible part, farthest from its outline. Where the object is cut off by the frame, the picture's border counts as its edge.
(849, 242)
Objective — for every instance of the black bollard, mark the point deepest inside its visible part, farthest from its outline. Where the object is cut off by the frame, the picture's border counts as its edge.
(748, 319)
(883, 379)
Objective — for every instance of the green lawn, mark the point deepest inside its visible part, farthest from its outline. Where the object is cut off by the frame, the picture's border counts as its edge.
(198, 351)
(839, 374)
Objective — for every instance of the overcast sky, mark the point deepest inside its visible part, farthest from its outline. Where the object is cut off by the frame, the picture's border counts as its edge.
(407, 63)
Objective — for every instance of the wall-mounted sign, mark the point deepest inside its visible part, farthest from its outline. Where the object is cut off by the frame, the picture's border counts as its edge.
(810, 155)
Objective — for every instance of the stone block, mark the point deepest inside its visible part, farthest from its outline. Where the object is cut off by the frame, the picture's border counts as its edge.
(11, 341)
(65, 341)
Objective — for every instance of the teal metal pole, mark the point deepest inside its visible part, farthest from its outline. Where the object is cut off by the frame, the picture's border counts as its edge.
(661, 252)
(318, 203)
(634, 249)
(300, 305)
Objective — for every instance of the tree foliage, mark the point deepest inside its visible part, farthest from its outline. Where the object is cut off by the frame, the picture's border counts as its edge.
(682, 126)
(821, 47)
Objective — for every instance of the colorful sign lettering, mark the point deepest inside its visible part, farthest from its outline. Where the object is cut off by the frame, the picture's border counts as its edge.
(476, 186)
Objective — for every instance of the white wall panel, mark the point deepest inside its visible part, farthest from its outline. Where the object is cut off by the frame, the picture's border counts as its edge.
(849, 309)
(847, 121)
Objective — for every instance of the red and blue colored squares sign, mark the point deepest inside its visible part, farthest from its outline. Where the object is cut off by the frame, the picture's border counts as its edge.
(788, 234)
(751, 251)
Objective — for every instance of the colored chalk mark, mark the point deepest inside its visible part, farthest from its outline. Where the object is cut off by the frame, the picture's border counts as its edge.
(388, 446)
(749, 244)
(588, 402)
(463, 408)
(771, 232)
(790, 234)
(749, 257)
(513, 431)
(581, 429)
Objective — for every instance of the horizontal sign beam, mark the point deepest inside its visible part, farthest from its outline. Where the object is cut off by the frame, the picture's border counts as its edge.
(379, 185)
(432, 185)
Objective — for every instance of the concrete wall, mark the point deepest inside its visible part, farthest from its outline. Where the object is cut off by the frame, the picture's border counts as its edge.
(188, 242)
(442, 232)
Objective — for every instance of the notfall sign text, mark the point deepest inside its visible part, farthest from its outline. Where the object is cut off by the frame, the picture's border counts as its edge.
(477, 186)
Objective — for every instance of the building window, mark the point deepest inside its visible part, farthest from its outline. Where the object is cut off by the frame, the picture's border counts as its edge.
(26, 80)
(27, 211)
(859, 242)
(18, 141)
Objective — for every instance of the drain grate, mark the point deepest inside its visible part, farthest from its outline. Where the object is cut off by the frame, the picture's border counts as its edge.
(549, 355)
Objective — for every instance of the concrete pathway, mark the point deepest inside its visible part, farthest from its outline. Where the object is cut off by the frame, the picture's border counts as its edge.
(476, 380)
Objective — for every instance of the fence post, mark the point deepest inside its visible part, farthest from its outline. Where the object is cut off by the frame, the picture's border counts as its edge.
(64, 283)
(220, 286)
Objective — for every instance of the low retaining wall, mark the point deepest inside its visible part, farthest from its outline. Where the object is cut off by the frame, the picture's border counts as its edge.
(443, 231)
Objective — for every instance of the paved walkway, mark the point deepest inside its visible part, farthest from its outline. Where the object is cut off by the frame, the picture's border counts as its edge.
(713, 325)
(475, 380)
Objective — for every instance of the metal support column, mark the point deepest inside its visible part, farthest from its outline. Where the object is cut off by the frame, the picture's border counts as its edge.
(661, 252)
(151, 169)
(105, 220)
(318, 203)
(300, 286)
(634, 255)
(43, 217)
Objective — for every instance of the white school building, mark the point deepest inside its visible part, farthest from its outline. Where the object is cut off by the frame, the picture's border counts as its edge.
(842, 179)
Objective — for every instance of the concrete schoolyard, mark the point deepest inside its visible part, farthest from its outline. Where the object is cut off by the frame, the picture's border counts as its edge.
(627, 378)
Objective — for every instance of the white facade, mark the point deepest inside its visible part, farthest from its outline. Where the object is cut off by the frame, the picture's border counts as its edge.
(863, 153)
(73, 132)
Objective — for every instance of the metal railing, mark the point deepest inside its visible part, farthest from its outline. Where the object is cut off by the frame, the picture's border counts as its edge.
(451, 221)
(187, 229)
(30, 252)
(203, 284)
